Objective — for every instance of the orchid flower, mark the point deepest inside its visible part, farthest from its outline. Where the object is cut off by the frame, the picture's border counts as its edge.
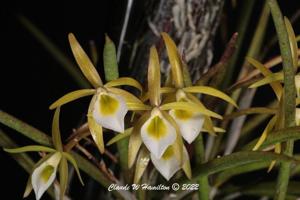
(190, 122)
(44, 172)
(109, 105)
(157, 130)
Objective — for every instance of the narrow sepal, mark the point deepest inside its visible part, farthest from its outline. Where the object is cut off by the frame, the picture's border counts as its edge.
(175, 61)
(56, 137)
(141, 164)
(84, 62)
(71, 97)
(154, 77)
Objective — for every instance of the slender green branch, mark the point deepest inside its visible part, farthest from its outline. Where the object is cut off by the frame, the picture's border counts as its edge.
(288, 97)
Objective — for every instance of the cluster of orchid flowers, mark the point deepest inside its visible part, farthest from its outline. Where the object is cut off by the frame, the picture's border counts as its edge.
(162, 118)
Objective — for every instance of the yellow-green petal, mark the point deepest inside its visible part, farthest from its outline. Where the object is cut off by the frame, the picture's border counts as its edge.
(63, 176)
(56, 137)
(265, 133)
(97, 134)
(70, 158)
(137, 106)
(277, 88)
(154, 77)
(189, 107)
(125, 81)
(135, 140)
(141, 164)
(120, 136)
(210, 91)
(71, 97)
(126, 95)
(268, 79)
(84, 62)
(175, 61)
(186, 167)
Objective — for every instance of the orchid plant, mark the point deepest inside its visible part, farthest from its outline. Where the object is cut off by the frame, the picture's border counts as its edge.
(156, 129)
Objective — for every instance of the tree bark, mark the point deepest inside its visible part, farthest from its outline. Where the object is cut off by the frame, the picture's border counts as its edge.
(191, 23)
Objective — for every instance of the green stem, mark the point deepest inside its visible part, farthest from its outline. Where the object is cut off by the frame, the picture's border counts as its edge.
(204, 187)
(288, 97)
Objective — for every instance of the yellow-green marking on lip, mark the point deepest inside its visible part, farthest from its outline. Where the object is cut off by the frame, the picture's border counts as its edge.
(168, 153)
(108, 105)
(157, 128)
(46, 173)
(183, 115)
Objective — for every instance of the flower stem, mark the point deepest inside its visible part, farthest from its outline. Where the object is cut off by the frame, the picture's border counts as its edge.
(288, 97)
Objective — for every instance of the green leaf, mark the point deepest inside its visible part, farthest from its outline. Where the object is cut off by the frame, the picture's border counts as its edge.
(292, 40)
(292, 133)
(227, 174)
(27, 130)
(110, 60)
(70, 158)
(71, 97)
(30, 148)
(238, 159)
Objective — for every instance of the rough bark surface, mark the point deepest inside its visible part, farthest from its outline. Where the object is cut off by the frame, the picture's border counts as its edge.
(191, 23)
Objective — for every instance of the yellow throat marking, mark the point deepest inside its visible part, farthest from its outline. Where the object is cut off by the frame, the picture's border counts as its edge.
(183, 115)
(46, 173)
(168, 153)
(108, 105)
(157, 128)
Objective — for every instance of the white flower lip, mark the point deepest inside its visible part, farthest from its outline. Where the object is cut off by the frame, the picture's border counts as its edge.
(44, 175)
(168, 164)
(189, 127)
(157, 133)
(111, 114)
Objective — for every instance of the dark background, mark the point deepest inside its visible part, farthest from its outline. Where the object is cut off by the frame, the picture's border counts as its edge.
(31, 79)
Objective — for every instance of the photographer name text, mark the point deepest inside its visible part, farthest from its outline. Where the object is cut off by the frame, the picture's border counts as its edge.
(159, 187)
